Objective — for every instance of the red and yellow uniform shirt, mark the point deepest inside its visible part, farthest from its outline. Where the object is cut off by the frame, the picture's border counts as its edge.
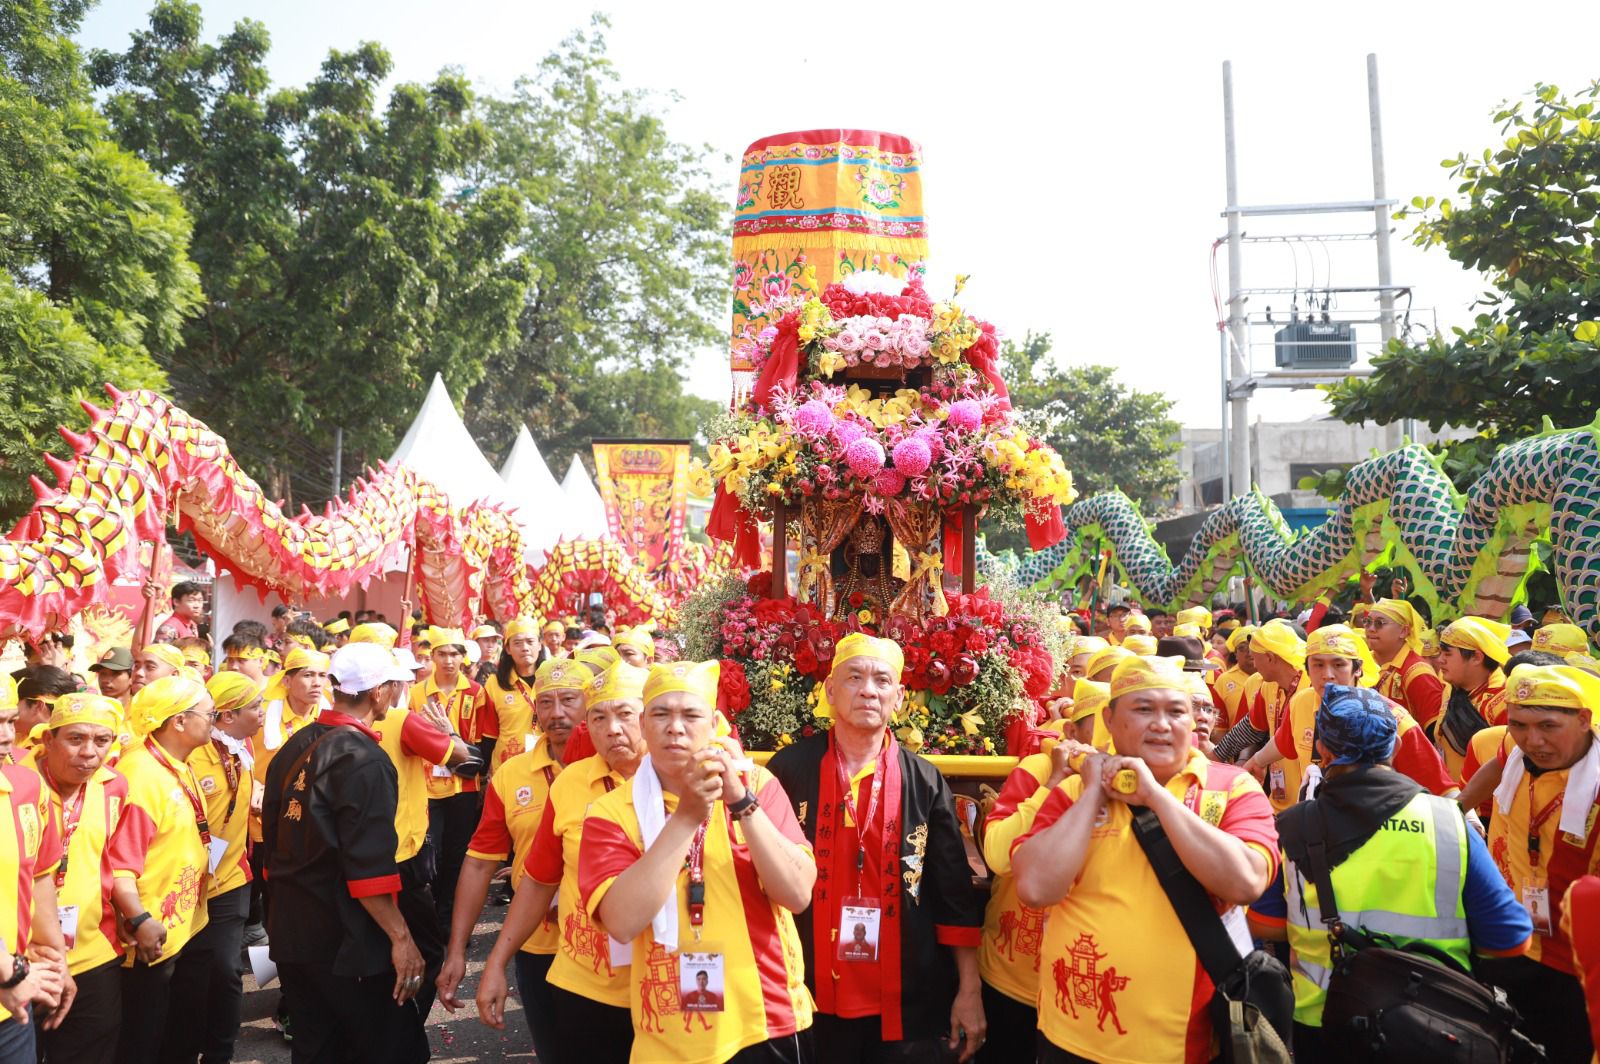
(1013, 933)
(1561, 858)
(513, 805)
(515, 729)
(1490, 702)
(1267, 713)
(225, 784)
(1412, 682)
(1491, 744)
(584, 964)
(764, 989)
(1414, 755)
(86, 884)
(158, 844)
(471, 719)
(1229, 688)
(415, 747)
(30, 849)
(1119, 981)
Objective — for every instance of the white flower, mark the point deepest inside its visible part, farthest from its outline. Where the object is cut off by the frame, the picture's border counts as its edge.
(871, 282)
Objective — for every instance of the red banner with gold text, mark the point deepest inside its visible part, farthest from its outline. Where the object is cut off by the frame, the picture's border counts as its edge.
(645, 486)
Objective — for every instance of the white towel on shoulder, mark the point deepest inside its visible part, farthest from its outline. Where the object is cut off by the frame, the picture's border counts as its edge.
(1583, 786)
(651, 809)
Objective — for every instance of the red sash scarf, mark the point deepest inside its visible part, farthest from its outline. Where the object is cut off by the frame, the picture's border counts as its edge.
(836, 881)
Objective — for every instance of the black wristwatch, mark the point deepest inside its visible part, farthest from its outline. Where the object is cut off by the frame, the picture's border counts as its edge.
(19, 972)
(744, 806)
(131, 924)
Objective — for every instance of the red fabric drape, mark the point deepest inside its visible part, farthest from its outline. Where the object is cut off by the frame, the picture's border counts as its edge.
(783, 364)
(952, 542)
(984, 356)
(730, 523)
(1046, 531)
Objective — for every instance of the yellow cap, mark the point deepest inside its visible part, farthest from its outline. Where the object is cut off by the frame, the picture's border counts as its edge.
(297, 658)
(375, 632)
(1187, 631)
(1584, 662)
(446, 637)
(1137, 624)
(554, 628)
(8, 693)
(1336, 639)
(165, 653)
(232, 690)
(1140, 644)
(521, 626)
(486, 631)
(1239, 635)
(1478, 633)
(561, 674)
(1197, 615)
(1405, 615)
(1429, 640)
(1086, 644)
(1560, 686)
(1197, 685)
(860, 645)
(639, 637)
(1108, 655)
(81, 707)
(160, 700)
(338, 626)
(1088, 698)
(1136, 674)
(1227, 624)
(1561, 639)
(698, 678)
(621, 681)
(196, 656)
(1276, 637)
(599, 658)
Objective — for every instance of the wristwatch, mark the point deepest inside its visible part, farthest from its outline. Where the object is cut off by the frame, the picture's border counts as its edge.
(131, 924)
(19, 972)
(744, 806)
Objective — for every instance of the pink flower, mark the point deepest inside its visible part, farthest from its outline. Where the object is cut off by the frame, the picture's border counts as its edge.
(743, 276)
(935, 442)
(847, 340)
(912, 456)
(847, 432)
(864, 457)
(774, 286)
(965, 415)
(814, 418)
(874, 339)
(888, 482)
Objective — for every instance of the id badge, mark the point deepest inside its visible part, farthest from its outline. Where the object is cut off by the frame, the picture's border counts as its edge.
(214, 851)
(1278, 783)
(1536, 899)
(530, 740)
(441, 772)
(68, 915)
(858, 930)
(700, 981)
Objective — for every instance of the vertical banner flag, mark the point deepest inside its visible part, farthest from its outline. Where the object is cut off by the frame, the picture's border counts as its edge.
(645, 486)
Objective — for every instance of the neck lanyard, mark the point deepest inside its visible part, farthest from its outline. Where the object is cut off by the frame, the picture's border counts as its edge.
(70, 816)
(231, 771)
(522, 687)
(697, 880)
(862, 824)
(1536, 821)
(194, 799)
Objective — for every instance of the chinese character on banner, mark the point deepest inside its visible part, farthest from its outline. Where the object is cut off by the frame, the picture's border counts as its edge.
(645, 486)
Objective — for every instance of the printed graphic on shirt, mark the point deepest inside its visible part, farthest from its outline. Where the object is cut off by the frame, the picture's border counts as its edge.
(1020, 930)
(918, 841)
(658, 991)
(582, 940)
(180, 902)
(1080, 981)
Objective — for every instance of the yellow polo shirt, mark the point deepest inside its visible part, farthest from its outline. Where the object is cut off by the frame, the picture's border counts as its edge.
(227, 813)
(87, 884)
(514, 707)
(1013, 933)
(158, 844)
(512, 807)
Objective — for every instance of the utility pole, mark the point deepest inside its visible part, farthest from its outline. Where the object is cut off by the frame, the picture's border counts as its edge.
(1380, 216)
(1238, 479)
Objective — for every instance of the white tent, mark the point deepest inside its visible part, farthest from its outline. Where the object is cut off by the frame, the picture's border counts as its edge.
(538, 495)
(586, 511)
(438, 446)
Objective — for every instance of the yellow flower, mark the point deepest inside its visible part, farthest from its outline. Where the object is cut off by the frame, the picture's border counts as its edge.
(911, 737)
(785, 740)
(828, 363)
(864, 616)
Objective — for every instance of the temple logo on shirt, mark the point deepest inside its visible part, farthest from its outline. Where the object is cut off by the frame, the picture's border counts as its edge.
(658, 990)
(1588, 829)
(1080, 981)
(1020, 930)
(1212, 805)
(918, 841)
(28, 817)
(524, 795)
(208, 785)
(582, 939)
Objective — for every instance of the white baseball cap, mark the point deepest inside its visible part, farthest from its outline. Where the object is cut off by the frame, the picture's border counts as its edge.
(359, 667)
(407, 661)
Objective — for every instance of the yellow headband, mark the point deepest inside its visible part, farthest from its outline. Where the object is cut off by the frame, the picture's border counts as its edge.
(375, 632)
(8, 693)
(297, 658)
(639, 638)
(165, 653)
(1239, 635)
(561, 674)
(248, 654)
(698, 678)
(83, 708)
(304, 641)
(1584, 662)
(554, 628)
(621, 681)
(601, 657)
(1336, 639)
(1429, 643)
(1187, 631)
(1276, 637)
(521, 626)
(1561, 686)
(1561, 639)
(1086, 644)
(1197, 615)
(1227, 624)
(196, 656)
(1138, 624)
(446, 637)
(338, 627)
(1476, 633)
(1105, 656)
(1402, 613)
(232, 690)
(1146, 674)
(1139, 644)
(161, 700)
(1089, 698)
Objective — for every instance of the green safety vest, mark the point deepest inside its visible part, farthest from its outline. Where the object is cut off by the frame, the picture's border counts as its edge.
(1405, 882)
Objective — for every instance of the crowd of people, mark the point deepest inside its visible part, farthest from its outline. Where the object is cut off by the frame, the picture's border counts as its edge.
(349, 796)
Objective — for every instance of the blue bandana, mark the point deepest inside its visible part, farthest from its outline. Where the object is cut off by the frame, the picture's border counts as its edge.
(1356, 725)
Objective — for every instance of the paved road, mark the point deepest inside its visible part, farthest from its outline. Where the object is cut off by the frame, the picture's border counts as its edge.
(456, 1040)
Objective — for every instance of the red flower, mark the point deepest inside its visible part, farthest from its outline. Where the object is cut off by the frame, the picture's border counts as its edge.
(977, 642)
(733, 689)
(916, 658)
(1037, 670)
(759, 585)
(856, 599)
(944, 644)
(805, 659)
(772, 611)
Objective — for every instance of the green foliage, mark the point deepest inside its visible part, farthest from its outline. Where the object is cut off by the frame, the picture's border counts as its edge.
(95, 277)
(344, 262)
(630, 243)
(1524, 215)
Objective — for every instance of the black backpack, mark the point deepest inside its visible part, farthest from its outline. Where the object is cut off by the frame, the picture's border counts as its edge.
(1412, 1003)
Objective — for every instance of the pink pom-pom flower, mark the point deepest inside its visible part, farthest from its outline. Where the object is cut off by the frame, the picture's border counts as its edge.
(912, 456)
(935, 442)
(847, 432)
(814, 418)
(864, 457)
(888, 482)
(965, 415)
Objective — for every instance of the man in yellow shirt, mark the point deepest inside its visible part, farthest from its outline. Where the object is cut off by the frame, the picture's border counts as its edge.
(636, 646)
(207, 971)
(153, 662)
(87, 799)
(159, 854)
(1230, 686)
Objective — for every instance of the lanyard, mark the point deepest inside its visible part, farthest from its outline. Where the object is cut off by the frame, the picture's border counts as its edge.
(521, 687)
(194, 799)
(697, 880)
(231, 771)
(70, 816)
(1536, 821)
(862, 824)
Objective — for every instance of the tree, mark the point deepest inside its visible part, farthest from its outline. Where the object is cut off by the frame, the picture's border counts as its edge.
(1111, 437)
(344, 260)
(1525, 216)
(95, 276)
(630, 244)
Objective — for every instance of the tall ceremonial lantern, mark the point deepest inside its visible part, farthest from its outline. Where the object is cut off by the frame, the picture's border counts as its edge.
(813, 208)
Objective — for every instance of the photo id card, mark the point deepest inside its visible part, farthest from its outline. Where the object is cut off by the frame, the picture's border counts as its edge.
(858, 930)
(68, 915)
(700, 981)
(1536, 899)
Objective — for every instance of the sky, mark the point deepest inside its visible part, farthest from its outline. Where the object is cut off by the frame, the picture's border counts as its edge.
(1074, 161)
